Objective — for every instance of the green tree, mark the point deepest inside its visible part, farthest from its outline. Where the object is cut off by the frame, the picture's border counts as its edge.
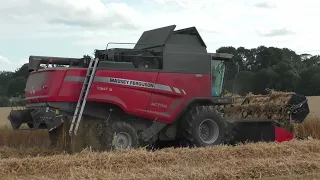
(5, 77)
(314, 86)
(288, 76)
(265, 78)
(16, 86)
(312, 61)
(305, 80)
(244, 82)
(4, 101)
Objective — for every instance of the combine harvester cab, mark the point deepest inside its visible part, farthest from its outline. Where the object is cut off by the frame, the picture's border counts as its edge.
(150, 94)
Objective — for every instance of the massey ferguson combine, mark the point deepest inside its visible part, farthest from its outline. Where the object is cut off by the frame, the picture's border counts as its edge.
(167, 88)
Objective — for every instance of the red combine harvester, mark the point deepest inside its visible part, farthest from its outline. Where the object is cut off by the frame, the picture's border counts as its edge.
(165, 89)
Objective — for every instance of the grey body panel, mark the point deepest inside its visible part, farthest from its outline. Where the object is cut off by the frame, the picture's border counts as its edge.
(186, 63)
(154, 37)
(192, 31)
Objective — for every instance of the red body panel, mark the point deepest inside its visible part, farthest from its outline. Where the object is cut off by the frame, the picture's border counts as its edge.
(162, 101)
(167, 104)
(282, 135)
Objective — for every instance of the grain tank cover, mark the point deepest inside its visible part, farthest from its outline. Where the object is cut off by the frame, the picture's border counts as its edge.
(154, 37)
(187, 36)
(166, 35)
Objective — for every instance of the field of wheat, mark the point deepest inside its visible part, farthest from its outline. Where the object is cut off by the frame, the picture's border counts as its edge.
(24, 155)
(291, 160)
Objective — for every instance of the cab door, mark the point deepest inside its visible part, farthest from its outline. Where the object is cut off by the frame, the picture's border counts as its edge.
(217, 74)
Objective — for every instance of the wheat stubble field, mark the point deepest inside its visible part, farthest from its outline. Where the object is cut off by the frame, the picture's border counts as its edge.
(300, 159)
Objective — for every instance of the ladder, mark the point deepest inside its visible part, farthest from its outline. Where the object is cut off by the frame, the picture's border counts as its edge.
(83, 95)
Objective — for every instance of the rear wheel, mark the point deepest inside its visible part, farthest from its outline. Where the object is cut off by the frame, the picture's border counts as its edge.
(96, 134)
(204, 126)
(208, 131)
(119, 135)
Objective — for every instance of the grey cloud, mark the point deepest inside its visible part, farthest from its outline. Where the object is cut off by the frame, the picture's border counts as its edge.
(129, 26)
(72, 22)
(111, 22)
(4, 60)
(265, 5)
(63, 13)
(209, 31)
(7, 64)
(277, 32)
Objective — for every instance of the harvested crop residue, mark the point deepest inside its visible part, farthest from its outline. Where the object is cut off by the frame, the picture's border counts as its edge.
(290, 160)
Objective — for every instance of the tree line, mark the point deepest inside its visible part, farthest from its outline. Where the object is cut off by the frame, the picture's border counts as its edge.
(254, 70)
(12, 85)
(281, 69)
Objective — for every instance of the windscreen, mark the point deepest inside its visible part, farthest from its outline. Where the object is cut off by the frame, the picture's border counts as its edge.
(217, 73)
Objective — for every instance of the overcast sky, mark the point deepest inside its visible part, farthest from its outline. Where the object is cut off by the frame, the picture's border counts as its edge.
(74, 28)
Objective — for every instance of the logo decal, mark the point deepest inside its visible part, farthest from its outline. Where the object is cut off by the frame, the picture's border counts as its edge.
(132, 83)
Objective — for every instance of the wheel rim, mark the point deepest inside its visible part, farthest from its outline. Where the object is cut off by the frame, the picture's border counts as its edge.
(208, 131)
(122, 140)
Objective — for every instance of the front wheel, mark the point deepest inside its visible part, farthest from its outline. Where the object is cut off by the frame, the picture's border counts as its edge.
(203, 126)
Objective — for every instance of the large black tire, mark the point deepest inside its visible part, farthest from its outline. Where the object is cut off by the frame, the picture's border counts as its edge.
(200, 118)
(116, 132)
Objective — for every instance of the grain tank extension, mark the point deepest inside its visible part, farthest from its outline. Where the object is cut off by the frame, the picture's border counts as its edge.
(167, 88)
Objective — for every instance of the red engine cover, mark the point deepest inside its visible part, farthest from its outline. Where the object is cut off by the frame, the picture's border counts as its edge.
(153, 95)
